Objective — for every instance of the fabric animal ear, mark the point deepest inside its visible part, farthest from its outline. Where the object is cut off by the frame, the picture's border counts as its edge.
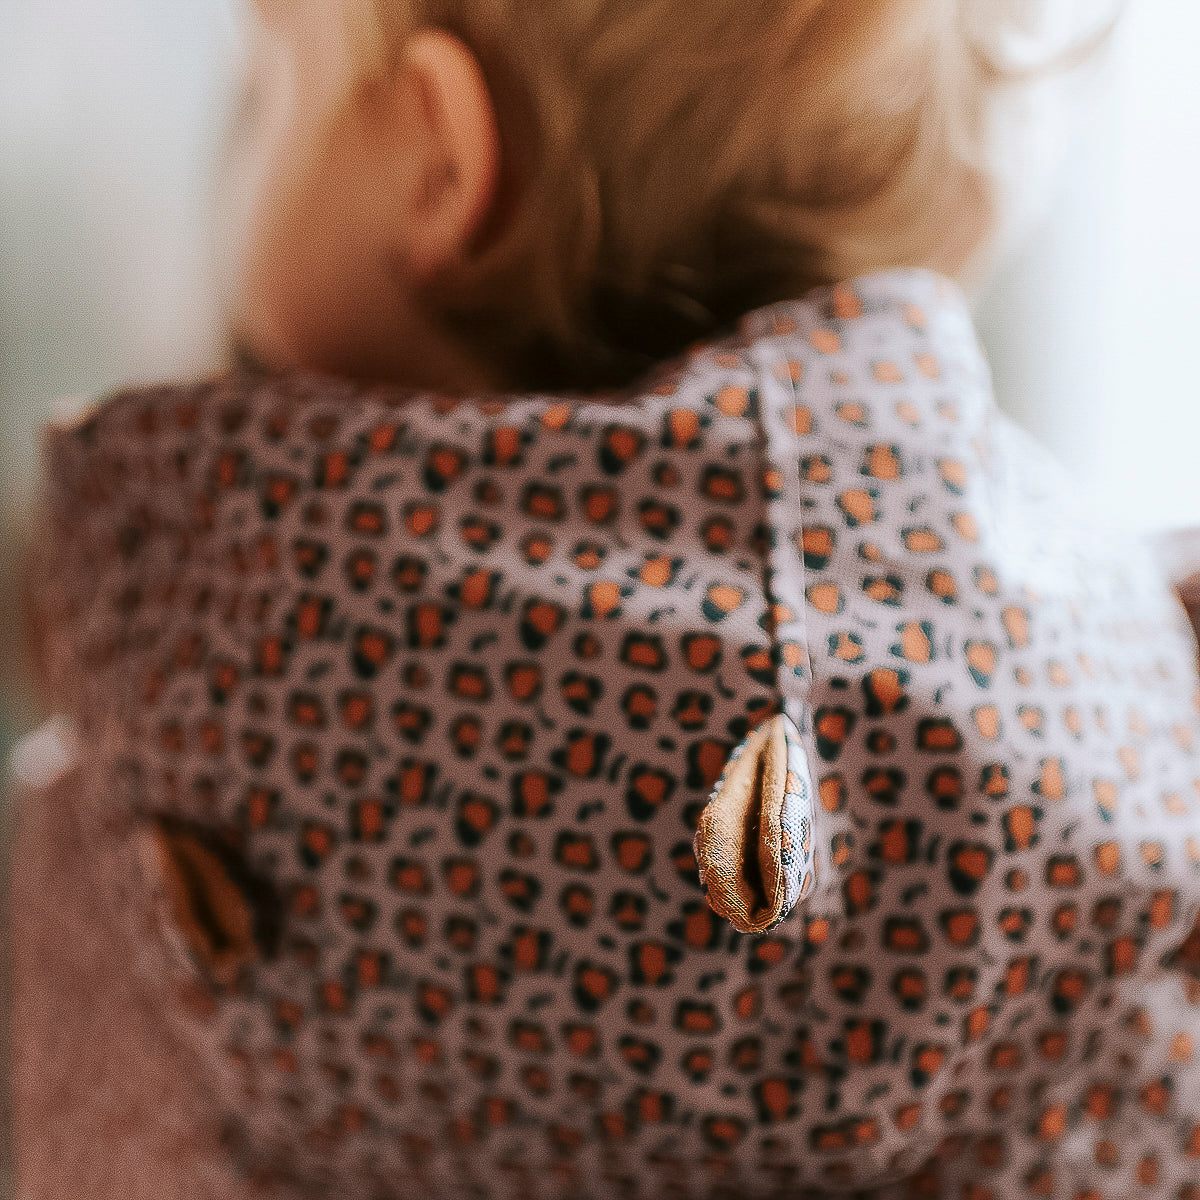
(209, 907)
(754, 844)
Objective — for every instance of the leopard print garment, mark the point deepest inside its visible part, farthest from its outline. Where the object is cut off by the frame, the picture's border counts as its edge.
(440, 689)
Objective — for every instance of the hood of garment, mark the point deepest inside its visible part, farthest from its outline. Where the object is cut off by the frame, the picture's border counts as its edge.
(400, 716)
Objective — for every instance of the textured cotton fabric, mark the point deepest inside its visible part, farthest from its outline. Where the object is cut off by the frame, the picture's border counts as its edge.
(443, 688)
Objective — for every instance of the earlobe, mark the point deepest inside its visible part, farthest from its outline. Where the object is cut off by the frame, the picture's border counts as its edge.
(456, 148)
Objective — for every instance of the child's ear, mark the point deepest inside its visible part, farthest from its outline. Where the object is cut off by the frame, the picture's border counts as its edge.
(450, 151)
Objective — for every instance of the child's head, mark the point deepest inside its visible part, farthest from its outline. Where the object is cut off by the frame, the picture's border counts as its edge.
(459, 193)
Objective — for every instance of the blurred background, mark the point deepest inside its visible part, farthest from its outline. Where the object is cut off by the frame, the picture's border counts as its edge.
(111, 117)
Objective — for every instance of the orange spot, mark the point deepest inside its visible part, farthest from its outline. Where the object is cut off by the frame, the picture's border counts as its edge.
(732, 401)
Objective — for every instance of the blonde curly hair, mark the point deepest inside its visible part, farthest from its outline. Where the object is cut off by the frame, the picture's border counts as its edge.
(670, 164)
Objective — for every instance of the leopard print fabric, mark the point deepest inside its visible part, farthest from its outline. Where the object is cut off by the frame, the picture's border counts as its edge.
(448, 684)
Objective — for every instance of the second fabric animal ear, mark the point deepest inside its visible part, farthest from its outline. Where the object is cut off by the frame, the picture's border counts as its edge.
(754, 844)
(209, 910)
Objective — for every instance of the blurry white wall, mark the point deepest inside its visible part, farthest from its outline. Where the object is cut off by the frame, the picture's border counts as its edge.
(111, 113)
(1093, 326)
(110, 119)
